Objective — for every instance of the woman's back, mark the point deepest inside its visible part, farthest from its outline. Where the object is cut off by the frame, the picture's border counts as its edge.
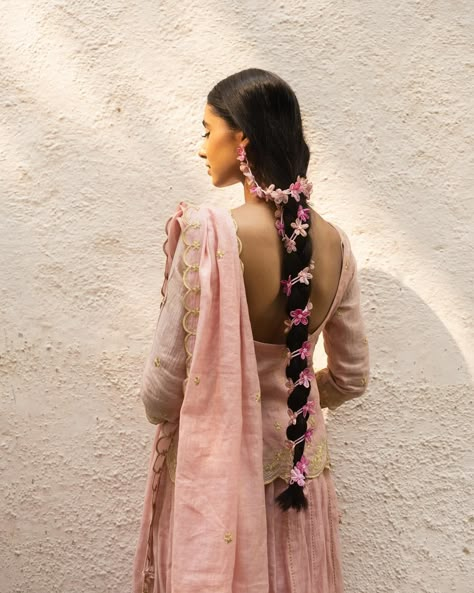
(262, 256)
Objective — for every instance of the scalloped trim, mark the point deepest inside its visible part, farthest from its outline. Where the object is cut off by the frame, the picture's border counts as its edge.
(191, 235)
(239, 242)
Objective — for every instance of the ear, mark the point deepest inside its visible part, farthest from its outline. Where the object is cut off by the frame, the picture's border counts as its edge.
(242, 138)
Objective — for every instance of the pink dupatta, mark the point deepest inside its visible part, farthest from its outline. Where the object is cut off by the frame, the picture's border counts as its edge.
(219, 538)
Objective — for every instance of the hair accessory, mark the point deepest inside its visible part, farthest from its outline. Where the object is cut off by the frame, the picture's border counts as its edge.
(303, 276)
(301, 185)
(308, 408)
(298, 316)
(297, 473)
(303, 352)
(306, 437)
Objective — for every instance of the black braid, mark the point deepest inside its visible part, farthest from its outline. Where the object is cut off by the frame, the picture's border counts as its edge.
(293, 263)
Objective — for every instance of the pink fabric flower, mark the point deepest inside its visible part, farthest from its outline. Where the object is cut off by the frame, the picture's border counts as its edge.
(302, 464)
(308, 434)
(299, 316)
(305, 349)
(303, 213)
(297, 476)
(305, 275)
(308, 408)
(300, 227)
(306, 186)
(295, 189)
(280, 225)
(279, 196)
(305, 376)
(241, 153)
(258, 190)
(286, 285)
(290, 245)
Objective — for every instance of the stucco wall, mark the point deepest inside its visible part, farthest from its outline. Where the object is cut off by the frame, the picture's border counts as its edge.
(100, 110)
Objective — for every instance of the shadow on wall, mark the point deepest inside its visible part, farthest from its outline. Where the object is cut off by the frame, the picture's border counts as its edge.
(400, 451)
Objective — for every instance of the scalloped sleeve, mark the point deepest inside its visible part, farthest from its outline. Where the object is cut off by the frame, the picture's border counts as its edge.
(345, 342)
(162, 390)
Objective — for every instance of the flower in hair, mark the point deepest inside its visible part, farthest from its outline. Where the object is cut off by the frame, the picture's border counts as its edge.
(302, 464)
(305, 275)
(305, 349)
(305, 376)
(299, 228)
(279, 196)
(308, 434)
(295, 189)
(306, 186)
(308, 408)
(287, 285)
(303, 213)
(280, 226)
(290, 244)
(297, 476)
(299, 316)
(241, 153)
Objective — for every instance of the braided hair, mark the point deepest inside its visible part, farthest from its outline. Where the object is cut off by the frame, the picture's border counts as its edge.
(266, 109)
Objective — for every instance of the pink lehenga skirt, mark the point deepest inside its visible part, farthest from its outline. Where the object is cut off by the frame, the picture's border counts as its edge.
(304, 554)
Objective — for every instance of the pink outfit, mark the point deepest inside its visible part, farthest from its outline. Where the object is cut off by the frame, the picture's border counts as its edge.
(219, 399)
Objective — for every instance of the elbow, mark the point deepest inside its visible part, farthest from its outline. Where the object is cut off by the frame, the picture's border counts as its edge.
(150, 411)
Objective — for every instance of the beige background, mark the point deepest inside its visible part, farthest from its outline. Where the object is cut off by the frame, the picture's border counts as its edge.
(100, 110)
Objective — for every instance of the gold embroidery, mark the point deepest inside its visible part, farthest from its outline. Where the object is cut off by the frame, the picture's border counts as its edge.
(363, 381)
(220, 253)
(190, 266)
(338, 312)
(346, 265)
(277, 425)
(239, 242)
(365, 340)
(258, 396)
(282, 461)
(157, 362)
(227, 537)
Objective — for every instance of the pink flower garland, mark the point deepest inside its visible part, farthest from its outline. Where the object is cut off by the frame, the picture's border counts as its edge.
(298, 316)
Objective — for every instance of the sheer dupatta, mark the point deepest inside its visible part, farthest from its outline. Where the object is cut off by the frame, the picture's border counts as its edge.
(219, 538)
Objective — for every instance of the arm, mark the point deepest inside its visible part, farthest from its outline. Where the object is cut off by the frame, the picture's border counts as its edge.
(345, 342)
(165, 369)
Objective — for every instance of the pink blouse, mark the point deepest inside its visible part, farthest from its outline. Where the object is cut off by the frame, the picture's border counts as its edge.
(203, 339)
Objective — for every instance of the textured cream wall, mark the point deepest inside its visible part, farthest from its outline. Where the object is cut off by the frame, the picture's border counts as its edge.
(100, 110)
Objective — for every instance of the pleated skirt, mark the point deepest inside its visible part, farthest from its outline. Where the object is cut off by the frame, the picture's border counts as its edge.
(304, 552)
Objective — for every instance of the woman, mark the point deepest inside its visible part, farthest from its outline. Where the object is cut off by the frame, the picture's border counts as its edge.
(247, 502)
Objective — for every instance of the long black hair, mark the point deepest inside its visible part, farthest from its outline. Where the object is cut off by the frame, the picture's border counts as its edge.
(266, 109)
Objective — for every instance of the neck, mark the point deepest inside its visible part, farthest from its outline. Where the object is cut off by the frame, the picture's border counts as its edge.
(251, 198)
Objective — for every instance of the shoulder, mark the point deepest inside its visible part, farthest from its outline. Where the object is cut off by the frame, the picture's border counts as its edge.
(254, 220)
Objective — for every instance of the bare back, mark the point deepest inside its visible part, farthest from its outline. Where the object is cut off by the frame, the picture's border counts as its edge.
(262, 256)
